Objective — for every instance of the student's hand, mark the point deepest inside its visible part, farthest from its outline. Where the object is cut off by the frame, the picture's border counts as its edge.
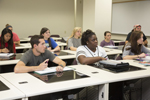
(59, 69)
(104, 58)
(142, 55)
(43, 65)
(5, 50)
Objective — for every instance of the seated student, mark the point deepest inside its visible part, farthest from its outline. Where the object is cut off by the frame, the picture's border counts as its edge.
(36, 59)
(15, 36)
(6, 42)
(135, 48)
(107, 41)
(49, 42)
(74, 40)
(90, 52)
(137, 27)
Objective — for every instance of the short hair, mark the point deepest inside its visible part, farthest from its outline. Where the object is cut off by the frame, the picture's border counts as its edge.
(35, 40)
(105, 33)
(86, 35)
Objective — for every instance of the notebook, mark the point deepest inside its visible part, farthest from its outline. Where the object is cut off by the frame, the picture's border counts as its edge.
(52, 70)
(6, 54)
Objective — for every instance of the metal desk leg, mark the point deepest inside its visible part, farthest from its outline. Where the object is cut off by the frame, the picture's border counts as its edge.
(104, 92)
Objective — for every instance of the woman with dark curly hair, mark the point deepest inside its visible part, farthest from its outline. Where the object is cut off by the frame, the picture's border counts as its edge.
(90, 52)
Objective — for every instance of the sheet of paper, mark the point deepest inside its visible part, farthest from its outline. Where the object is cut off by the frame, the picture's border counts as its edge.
(52, 69)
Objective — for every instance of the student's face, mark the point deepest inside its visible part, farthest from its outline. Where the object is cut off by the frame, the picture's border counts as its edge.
(10, 28)
(138, 29)
(92, 41)
(78, 33)
(140, 40)
(7, 37)
(46, 34)
(108, 36)
(41, 46)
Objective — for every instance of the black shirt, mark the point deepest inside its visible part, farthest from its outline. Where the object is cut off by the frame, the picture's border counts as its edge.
(128, 37)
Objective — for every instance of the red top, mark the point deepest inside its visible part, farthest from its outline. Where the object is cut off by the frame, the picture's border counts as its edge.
(6, 46)
(15, 37)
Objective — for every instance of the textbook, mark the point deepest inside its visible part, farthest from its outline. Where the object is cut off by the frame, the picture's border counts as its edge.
(6, 54)
(52, 70)
(144, 63)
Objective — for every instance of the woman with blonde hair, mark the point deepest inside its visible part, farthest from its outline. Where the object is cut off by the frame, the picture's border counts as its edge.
(74, 40)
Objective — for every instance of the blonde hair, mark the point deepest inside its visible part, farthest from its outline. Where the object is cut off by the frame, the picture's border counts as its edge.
(73, 32)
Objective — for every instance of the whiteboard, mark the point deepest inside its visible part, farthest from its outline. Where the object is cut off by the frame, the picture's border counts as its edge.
(126, 15)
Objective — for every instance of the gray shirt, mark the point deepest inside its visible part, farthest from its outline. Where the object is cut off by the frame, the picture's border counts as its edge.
(31, 60)
(128, 52)
(73, 42)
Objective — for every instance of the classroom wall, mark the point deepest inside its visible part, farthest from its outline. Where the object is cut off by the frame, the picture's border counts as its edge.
(97, 16)
(28, 16)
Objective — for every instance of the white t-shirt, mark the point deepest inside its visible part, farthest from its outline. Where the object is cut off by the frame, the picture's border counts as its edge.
(84, 50)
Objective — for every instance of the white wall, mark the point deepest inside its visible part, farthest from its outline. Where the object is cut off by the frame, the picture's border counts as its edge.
(88, 15)
(97, 16)
(28, 16)
(103, 9)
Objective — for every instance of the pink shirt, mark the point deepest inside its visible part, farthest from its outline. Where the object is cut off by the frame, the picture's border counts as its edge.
(15, 37)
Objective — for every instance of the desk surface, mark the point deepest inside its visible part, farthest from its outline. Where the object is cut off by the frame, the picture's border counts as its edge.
(109, 77)
(42, 88)
(28, 45)
(12, 93)
(102, 77)
(28, 39)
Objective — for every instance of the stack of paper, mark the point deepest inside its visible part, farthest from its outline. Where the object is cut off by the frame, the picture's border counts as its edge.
(52, 70)
(6, 54)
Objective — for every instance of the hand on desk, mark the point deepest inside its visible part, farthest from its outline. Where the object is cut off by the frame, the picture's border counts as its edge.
(142, 55)
(5, 50)
(59, 69)
(43, 65)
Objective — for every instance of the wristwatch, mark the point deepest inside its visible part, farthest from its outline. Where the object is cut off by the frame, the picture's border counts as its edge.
(61, 65)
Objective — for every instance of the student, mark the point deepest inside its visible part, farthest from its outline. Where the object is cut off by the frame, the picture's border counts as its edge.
(16, 39)
(107, 41)
(135, 48)
(90, 52)
(137, 27)
(36, 59)
(74, 40)
(6, 42)
(49, 42)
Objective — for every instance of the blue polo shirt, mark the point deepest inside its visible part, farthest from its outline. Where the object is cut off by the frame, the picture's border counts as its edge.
(53, 43)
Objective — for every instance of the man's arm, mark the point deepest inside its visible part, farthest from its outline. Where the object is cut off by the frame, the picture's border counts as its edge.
(22, 68)
(60, 62)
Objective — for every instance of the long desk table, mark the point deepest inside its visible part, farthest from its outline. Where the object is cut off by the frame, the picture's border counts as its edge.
(28, 45)
(28, 39)
(97, 77)
(11, 93)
